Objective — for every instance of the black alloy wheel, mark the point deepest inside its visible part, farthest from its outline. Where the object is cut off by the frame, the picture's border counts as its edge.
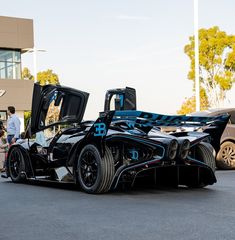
(16, 165)
(89, 168)
(95, 174)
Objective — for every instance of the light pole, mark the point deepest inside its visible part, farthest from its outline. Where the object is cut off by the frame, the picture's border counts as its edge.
(34, 50)
(196, 51)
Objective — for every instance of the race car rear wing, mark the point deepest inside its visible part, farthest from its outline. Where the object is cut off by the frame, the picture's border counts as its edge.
(145, 121)
(214, 126)
(153, 119)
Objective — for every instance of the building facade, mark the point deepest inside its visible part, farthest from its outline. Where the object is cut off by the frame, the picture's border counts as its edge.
(16, 38)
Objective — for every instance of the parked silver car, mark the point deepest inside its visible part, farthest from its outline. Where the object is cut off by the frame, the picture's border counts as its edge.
(225, 157)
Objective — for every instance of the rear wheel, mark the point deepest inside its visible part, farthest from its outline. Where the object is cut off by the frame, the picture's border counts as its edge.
(95, 174)
(16, 165)
(204, 153)
(226, 156)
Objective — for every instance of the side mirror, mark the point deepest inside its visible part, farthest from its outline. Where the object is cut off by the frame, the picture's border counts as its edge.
(125, 99)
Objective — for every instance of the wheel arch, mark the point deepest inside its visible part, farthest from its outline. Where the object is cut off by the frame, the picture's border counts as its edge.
(77, 148)
(229, 139)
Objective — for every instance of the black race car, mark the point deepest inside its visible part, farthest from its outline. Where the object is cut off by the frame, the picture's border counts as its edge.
(119, 147)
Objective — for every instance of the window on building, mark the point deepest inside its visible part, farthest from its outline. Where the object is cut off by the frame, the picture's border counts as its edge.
(10, 64)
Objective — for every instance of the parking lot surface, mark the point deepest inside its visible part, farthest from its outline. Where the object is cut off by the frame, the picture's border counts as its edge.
(42, 211)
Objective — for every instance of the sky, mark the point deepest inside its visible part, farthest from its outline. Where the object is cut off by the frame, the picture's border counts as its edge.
(95, 45)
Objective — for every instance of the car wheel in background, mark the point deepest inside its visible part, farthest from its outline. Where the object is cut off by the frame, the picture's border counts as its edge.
(226, 156)
(95, 174)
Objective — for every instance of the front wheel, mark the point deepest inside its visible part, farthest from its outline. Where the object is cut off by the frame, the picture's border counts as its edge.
(16, 165)
(226, 156)
(95, 174)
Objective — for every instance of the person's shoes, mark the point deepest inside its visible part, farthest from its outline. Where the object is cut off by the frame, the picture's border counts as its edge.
(4, 176)
(3, 170)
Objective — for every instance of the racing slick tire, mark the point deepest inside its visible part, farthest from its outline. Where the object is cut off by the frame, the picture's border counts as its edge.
(226, 156)
(211, 148)
(205, 152)
(16, 165)
(95, 173)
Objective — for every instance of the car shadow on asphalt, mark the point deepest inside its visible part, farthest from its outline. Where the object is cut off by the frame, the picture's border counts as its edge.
(137, 189)
(159, 190)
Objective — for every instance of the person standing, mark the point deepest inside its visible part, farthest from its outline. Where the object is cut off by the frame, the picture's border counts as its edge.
(13, 126)
(13, 130)
(3, 149)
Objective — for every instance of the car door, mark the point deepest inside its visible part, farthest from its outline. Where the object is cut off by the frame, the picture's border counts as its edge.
(55, 104)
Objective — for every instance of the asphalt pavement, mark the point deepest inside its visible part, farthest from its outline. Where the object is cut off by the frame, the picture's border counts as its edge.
(42, 211)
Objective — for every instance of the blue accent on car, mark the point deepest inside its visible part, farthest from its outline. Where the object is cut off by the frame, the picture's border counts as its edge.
(134, 154)
(100, 129)
(136, 132)
(146, 142)
(152, 119)
(54, 96)
(130, 124)
(121, 97)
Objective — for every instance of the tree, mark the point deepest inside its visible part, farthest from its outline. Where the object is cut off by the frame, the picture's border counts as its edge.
(216, 63)
(26, 74)
(189, 105)
(27, 116)
(47, 77)
(43, 78)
